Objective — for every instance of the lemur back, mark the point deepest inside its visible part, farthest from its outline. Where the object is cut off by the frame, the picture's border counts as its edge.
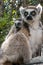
(17, 48)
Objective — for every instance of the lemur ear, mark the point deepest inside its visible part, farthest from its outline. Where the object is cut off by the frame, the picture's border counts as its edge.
(21, 9)
(39, 8)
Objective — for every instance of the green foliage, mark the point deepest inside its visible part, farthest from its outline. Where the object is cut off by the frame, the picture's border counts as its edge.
(5, 25)
(32, 2)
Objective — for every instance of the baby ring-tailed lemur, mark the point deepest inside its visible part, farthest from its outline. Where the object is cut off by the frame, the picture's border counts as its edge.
(16, 27)
(22, 46)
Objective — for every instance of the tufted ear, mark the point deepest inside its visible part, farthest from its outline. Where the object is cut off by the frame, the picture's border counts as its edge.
(21, 9)
(39, 8)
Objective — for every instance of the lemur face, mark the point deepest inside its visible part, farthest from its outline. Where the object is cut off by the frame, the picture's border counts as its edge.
(31, 14)
(18, 24)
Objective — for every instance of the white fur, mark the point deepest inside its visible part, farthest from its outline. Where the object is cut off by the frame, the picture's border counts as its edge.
(39, 6)
(35, 38)
(15, 46)
(21, 12)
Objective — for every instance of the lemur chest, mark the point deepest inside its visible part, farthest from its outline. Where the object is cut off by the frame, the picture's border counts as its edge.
(35, 38)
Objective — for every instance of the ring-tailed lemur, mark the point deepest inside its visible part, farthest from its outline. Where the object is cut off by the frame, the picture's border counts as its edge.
(31, 16)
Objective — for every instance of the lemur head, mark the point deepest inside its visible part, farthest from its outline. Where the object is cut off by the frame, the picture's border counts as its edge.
(18, 24)
(31, 14)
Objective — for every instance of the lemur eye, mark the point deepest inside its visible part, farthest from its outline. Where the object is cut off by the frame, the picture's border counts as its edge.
(25, 13)
(19, 24)
(33, 13)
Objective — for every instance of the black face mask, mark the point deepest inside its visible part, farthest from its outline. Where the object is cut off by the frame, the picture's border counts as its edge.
(18, 26)
(25, 13)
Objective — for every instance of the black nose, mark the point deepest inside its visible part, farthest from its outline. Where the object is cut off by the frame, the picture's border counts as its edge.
(17, 25)
(29, 17)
